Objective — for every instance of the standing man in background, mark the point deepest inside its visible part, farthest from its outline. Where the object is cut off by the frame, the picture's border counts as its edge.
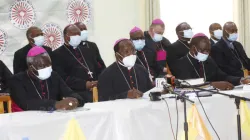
(156, 46)
(181, 47)
(229, 54)
(78, 68)
(35, 37)
(138, 39)
(215, 31)
(90, 47)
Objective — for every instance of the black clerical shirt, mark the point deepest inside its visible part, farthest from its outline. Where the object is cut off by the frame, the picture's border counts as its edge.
(176, 51)
(185, 70)
(117, 80)
(30, 93)
(70, 64)
(91, 47)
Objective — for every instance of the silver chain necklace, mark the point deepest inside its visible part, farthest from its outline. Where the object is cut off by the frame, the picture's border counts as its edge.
(184, 44)
(36, 88)
(205, 78)
(126, 79)
(86, 67)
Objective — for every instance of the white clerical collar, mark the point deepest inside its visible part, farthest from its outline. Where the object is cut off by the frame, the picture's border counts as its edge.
(191, 55)
(215, 41)
(129, 68)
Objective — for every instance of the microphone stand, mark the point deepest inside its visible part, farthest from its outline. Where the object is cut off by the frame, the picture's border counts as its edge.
(184, 98)
(237, 103)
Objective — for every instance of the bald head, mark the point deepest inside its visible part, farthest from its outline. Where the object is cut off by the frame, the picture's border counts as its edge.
(81, 26)
(180, 30)
(70, 30)
(229, 28)
(33, 32)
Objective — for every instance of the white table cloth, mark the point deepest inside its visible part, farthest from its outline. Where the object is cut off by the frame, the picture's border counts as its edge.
(127, 119)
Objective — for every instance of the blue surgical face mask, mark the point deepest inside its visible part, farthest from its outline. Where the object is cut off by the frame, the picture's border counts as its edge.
(188, 33)
(75, 41)
(39, 40)
(201, 56)
(139, 44)
(84, 35)
(157, 37)
(233, 37)
(218, 34)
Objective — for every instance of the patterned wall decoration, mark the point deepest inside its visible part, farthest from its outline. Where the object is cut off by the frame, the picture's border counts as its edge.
(22, 14)
(53, 35)
(79, 11)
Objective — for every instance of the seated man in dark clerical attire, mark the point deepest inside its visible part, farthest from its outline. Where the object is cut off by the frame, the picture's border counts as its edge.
(229, 54)
(180, 47)
(39, 88)
(5, 74)
(78, 68)
(215, 31)
(90, 47)
(35, 38)
(198, 64)
(123, 78)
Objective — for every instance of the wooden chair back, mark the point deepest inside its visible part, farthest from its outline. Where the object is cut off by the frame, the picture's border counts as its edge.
(95, 94)
(7, 99)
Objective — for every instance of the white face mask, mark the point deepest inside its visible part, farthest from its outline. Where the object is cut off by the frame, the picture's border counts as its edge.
(128, 61)
(218, 34)
(139, 44)
(188, 33)
(75, 41)
(44, 73)
(84, 35)
(201, 56)
(233, 37)
(39, 40)
(157, 37)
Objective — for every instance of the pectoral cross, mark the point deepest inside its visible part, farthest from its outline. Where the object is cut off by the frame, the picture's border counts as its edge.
(90, 74)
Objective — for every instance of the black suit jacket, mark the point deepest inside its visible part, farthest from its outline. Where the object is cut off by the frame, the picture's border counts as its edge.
(19, 62)
(185, 70)
(227, 60)
(176, 51)
(25, 95)
(212, 42)
(91, 47)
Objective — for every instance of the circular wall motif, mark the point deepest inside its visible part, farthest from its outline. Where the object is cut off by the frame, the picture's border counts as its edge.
(53, 35)
(22, 14)
(79, 11)
(3, 41)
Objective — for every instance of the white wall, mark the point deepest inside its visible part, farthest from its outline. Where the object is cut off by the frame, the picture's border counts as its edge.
(198, 13)
(112, 19)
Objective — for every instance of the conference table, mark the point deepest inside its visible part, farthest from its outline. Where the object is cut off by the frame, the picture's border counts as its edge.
(126, 119)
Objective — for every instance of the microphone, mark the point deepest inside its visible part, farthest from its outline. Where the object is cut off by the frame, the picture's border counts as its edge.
(172, 80)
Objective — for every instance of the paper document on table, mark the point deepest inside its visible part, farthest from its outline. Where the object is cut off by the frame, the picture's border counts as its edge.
(193, 82)
(246, 87)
